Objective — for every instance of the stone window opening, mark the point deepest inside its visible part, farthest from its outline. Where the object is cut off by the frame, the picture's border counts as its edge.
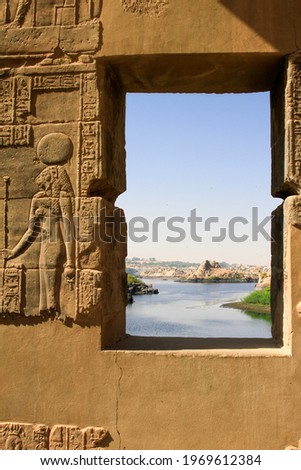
(216, 342)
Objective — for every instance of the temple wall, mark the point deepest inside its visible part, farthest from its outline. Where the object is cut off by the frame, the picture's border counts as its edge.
(70, 377)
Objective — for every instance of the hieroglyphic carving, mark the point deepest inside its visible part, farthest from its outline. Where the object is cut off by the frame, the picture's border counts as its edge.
(89, 96)
(89, 290)
(145, 7)
(12, 290)
(15, 97)
(87, 219)
(6, 101)
(22, 96)
(24, 436)
(15, 135)
(15, 436)
(6, 136)
(94, 437)
(66, 438)
(88, 155)
(56, 82)
(293, 122)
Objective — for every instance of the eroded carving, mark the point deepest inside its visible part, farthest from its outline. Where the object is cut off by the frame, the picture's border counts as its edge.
(6, 101)
(16, 436)
(12, 290)
(66, 438)
(87, 219)
(89, 105)
(56, 82)
(89, 290)
(145, 7)
(18, 136)
(24, 436)
(89, 155)
(293, 123)
(94, 438)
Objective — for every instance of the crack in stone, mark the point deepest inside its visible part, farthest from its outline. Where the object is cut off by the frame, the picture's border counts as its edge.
(118, 392)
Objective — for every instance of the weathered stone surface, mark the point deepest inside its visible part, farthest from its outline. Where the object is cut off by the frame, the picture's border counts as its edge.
(64, 241)
(16, 436)
(145, 7)
(65, 68)
(286, 129)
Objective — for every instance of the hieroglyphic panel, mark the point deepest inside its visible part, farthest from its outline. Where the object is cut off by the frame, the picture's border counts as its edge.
(12, 289)
(293, 123)
(6, 101)
(15, 135)
(6, 136)
(87, 219)
(88, 155)
(89, 290)
(24, 436)
(89, 96)
(22, 96)
(66, 438)
(94, 438)
(56, 82)
(15, 436)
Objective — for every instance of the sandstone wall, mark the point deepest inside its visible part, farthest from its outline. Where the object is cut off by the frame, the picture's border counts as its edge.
(66, 380)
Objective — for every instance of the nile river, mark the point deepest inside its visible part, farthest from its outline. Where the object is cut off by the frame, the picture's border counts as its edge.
(194, 310)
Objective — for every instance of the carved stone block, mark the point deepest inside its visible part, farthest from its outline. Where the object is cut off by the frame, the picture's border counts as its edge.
(66, 438)
(12, 298)
(16, 436)
(55, 134)
(94, 438)
(24, 436)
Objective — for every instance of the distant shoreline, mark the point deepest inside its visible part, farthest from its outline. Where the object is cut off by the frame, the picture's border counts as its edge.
(216, 281)
(262, 309)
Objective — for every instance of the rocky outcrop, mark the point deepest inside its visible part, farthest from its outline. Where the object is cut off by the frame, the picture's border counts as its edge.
(137, 288)
(212, 271)
(207, 271)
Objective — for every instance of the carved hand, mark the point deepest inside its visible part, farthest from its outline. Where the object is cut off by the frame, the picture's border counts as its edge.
(6, 254)
(69, 272)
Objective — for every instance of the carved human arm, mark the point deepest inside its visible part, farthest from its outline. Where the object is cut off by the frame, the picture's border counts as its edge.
(29, 236)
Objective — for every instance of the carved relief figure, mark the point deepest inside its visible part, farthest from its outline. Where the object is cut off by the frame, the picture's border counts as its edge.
(14, 440)
(40, 437)
(51, 217)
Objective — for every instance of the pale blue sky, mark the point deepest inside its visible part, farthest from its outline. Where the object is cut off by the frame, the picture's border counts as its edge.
(205, 152)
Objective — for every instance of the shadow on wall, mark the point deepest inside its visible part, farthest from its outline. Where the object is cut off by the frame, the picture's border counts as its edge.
(284, 16)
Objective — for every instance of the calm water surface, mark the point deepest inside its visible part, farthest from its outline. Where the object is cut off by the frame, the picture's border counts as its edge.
(194, 310)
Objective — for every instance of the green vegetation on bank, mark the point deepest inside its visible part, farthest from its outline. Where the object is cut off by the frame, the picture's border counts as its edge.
(258, 297)
(134, 280)
(258, 301)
